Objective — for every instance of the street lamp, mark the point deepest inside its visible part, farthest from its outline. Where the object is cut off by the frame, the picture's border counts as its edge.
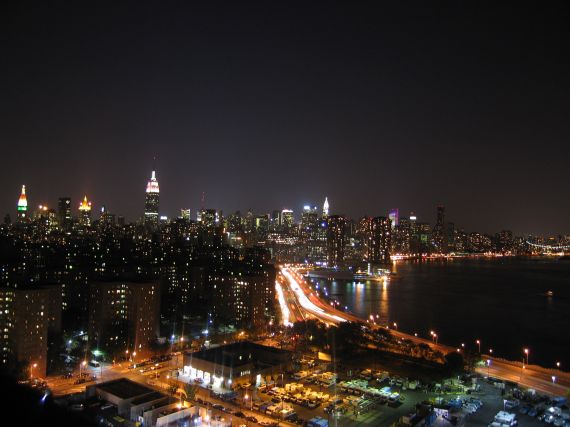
(35, 365)
(134, 355)
(395, 325)
(526, 354)
(558, 365)
(488, 365)
(81, 367)
(553, 379)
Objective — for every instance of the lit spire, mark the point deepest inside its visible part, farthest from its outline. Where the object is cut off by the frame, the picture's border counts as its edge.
(85, 205)
(326, 207)
(152, 185)
(23, 201)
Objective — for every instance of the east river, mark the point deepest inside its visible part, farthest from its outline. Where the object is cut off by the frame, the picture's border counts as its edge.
(503, 302)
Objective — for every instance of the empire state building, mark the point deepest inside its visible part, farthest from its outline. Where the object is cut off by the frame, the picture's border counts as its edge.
(151, 202)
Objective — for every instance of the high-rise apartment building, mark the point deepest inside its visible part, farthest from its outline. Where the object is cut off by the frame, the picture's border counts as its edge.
(26, 316)
(123, 315)
(379, 239)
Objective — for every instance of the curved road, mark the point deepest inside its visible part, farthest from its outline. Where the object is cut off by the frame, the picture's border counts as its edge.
(531, 376)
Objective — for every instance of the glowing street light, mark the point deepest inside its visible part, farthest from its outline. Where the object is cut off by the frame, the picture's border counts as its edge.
(526, 352)
(81, 366)
(558, 365)
(553, 379)
(395, 325)
(478, 342)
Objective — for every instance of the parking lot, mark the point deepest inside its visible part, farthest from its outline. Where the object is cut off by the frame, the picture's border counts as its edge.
(376, 398)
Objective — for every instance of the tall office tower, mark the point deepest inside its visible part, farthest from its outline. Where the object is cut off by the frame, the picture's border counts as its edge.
(151, 201)
(394, 217)
(287, 219)
(106, 218)
(123, 315)
(275, 220)
(504, 241)
(439, 233)
(449, 236)
(208, 218)
(326, 208)
(85, 212)
(25, 318)
(23, 205)
(64, 211)
(424, 234)
(335, 240)
(379, 240)
(261, 223)
(185, 214)
(309, 222)
(402, 236)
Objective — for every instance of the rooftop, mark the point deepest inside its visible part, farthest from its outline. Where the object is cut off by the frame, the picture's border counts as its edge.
(241, 353)
(148, 398)
(124, 388)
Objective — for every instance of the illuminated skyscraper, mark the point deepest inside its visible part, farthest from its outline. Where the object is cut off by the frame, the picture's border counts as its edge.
(287, 219)
(85, 212)
(439, 234)
(335, 240)
(309, 222)
(394, 217)
(64, 211)
(379, 240)
(151, 202)
(23, 205)
(326, 208)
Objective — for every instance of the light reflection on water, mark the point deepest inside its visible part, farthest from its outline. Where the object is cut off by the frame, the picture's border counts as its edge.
(503, 302)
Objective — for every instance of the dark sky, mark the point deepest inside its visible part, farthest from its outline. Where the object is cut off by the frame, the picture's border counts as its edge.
(277, 104)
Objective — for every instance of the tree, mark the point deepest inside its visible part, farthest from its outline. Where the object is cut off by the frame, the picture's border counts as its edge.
(190, 390)
(454, 363)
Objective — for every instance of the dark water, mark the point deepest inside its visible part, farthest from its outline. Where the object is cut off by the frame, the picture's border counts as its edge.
(502, 302)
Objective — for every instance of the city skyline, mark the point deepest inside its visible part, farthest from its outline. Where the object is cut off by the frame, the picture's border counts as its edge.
(152, 187)
(272, 106)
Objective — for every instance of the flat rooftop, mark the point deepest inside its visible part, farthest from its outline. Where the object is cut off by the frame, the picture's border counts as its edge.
(155, 395)
(241, 353)
(124, 388)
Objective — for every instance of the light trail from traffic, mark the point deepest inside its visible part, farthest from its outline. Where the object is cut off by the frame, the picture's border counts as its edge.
(534, 376)
(306, 302)
(285, 313)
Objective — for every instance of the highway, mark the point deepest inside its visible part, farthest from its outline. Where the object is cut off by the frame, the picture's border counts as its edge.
(530, 376)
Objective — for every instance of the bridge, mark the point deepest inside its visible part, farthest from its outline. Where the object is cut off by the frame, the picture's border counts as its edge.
(550, 248)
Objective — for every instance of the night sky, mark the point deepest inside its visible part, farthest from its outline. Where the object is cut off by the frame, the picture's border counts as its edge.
(276, 104)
